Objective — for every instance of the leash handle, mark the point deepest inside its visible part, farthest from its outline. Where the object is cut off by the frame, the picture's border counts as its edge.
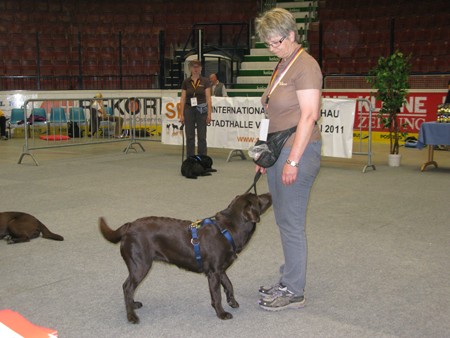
(255, 180)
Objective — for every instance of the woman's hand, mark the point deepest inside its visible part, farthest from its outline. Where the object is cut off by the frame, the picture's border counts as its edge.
(289, 174)
(260, 169)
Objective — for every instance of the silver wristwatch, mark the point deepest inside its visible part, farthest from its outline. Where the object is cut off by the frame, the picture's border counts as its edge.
(292, 163)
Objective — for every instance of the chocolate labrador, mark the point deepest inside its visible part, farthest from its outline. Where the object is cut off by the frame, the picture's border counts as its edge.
(19, 227)
(211, 250)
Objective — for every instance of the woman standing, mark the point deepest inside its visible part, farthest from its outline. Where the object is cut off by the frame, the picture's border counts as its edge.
(196, 109)
(292, 98)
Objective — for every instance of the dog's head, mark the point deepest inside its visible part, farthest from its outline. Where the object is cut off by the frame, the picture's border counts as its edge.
(206, 161)
(250, 206)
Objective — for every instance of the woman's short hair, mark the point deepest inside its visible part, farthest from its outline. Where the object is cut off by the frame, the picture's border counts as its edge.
(194, 63)
(276, 22)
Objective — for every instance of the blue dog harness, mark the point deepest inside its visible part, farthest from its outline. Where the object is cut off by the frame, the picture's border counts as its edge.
(195, 226)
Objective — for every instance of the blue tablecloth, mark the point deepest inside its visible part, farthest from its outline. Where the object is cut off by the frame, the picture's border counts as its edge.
(433, 133)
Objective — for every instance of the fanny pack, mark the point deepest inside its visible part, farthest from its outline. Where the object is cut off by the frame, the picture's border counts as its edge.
(202, 108)
(266, 153)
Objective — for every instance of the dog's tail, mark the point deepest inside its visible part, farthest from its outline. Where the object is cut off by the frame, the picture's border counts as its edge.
(46, 233)
(114, 236)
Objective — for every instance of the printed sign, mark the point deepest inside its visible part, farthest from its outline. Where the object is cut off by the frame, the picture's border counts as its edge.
(336, 127)
(236, 122)
(421, 106)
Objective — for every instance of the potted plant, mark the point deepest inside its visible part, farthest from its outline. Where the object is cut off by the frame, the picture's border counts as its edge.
(390, 78)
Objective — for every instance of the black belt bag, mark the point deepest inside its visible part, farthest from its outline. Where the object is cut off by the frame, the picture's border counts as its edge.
(266, 153)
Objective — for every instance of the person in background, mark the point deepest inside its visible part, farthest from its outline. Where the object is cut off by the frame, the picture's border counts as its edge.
(3, 125)
(292, 98)
(217, 87)
(102, 115)
(196, 109)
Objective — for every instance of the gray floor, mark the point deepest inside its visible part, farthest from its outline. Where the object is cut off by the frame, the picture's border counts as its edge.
(379, 246)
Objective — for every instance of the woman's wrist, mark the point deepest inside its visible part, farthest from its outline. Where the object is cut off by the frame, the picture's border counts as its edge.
(292, 163)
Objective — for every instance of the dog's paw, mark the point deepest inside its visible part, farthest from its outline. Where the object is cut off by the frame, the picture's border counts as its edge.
(233, 303)
(133, 318)
(225, 316)
(137, 305)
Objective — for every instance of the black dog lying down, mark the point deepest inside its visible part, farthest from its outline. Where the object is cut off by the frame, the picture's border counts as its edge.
(198, 165)
(19, 227)
(169, 240)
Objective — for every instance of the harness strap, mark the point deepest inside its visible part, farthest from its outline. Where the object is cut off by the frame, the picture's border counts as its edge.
(224, 232)
(228, 237)
(196, 243)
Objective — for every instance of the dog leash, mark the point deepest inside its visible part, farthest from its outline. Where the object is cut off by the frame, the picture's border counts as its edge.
(255, 180)
(182, 148)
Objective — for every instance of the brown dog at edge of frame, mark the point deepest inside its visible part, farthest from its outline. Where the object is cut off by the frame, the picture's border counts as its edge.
(20, 227)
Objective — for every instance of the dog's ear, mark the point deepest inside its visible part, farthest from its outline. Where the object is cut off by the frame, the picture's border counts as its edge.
(256, 206)
(251, 213)
(265, 201)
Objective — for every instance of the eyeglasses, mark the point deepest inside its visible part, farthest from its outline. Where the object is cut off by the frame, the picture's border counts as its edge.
(275, 44)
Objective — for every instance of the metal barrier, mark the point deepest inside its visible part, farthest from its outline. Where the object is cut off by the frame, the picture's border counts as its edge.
(53, 123)
(66, 122)
(368, 137)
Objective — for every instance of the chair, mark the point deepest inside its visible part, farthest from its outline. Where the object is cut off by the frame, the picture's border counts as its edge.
(76, 114)
(39, 112)
(29, 67)
(17, 122)
(38, 122)
(58, 119)
(78, 123)
(58, 115)
(109, 111)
